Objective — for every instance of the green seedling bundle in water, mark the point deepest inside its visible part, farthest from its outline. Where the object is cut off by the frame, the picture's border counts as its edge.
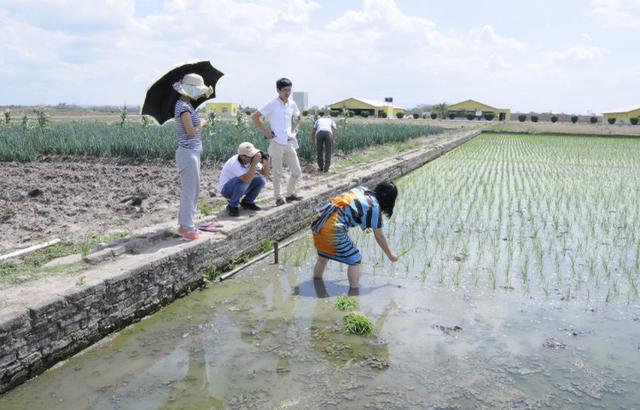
(357, 324)
(345, 303)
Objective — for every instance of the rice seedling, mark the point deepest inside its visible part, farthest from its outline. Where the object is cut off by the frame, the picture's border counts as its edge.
(424, 271)
(458, 275)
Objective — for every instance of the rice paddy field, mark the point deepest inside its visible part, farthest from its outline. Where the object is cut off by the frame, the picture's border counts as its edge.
(536, 214)
(517, 288)
(101, 139)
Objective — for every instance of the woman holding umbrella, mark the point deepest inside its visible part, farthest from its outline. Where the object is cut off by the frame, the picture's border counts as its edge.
(189, 126)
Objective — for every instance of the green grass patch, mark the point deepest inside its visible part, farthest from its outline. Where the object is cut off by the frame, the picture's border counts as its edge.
(267, 246)
(205, 208)
(357, 324)
(211, 273)
(344, 303)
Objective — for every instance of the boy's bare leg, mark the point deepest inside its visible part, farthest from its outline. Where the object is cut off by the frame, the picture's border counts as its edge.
(318, 270)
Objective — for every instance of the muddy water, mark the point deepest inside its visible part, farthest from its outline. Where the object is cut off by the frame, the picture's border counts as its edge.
(449, 331)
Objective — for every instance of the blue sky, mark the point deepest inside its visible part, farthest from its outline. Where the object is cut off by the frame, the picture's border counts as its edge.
(564, 56)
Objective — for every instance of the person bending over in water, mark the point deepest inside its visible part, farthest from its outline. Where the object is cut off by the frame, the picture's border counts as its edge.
(358, 207)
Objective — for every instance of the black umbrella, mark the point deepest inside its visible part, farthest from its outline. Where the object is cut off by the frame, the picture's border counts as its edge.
(160, 101)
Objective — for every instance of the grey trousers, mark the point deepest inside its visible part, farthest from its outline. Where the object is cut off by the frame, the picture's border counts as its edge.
(188, 162)
(324, 145)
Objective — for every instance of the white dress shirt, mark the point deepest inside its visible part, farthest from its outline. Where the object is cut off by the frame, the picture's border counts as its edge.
(280, 115)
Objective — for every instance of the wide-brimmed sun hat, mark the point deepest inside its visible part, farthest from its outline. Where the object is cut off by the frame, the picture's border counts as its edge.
(192, 85)
(247, 149)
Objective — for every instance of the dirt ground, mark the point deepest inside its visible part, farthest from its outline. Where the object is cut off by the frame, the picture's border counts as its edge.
(71, 198)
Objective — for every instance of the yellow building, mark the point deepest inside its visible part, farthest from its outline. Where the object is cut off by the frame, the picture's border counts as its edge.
(222, 108)
(462, 109)
(622, 115)
(373, 108)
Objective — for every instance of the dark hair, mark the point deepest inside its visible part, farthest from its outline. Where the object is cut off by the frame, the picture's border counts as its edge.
(283, 82)
(386, 193)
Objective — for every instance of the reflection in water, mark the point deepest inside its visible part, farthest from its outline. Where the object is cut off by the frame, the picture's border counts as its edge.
(462, 321)
(331, 342)
(322, 288)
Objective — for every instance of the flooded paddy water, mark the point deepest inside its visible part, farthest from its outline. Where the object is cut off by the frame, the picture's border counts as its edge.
(518, 288)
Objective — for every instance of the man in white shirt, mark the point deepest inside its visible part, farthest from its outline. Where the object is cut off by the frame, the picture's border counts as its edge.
(240, 176)
(323, 136)
(282, 138)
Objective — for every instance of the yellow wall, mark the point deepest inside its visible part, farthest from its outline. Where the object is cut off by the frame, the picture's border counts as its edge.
(355, 104)
(473, 106)
(392, 111)
(351, 103)
(221, 108)
(622, 116)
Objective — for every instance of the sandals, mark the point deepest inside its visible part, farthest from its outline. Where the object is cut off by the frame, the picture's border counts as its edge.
(210, 227)
(190, 235)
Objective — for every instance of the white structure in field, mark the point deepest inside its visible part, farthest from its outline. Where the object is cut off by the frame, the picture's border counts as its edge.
(302, 99)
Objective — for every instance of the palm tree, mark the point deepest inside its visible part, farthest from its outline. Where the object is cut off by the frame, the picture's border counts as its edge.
(442, 109)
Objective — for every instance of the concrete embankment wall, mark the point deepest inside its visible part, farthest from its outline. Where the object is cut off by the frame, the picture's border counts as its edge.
(36, 336)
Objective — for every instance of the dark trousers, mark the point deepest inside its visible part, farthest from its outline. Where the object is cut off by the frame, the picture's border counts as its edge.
(324, 145)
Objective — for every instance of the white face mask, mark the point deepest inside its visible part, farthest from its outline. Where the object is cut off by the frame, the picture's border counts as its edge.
(196, 92)
(193, 91)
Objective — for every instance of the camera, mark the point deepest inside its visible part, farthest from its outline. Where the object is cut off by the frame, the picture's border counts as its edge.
(264, 155)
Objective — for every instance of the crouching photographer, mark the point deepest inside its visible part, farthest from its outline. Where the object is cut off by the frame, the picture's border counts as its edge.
(242, 178)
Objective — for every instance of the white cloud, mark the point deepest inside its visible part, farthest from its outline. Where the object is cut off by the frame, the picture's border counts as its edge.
(22, 43)
(580, 53)
(616, 13)
(585, 52)
(487, 37)
(379, 15)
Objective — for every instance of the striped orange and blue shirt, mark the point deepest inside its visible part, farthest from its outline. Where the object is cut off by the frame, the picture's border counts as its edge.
(358, 207)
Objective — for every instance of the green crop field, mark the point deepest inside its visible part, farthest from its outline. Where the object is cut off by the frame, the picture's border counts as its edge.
(19, 143)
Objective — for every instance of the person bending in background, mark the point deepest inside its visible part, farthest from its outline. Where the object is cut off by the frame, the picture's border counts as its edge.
(358, 207)
(323, 136)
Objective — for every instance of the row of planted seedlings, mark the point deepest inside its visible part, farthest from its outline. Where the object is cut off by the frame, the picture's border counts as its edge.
(545, 215)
